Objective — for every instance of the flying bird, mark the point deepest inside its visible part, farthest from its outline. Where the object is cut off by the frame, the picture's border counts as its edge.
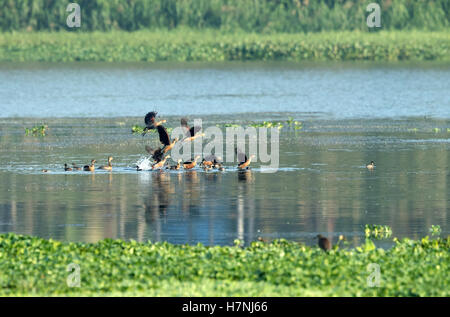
(191, 132)
(164, 139)
(157, 154)
(150, 122)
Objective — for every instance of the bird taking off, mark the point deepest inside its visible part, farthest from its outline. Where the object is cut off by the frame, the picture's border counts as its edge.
(150, 122)
(191, 132)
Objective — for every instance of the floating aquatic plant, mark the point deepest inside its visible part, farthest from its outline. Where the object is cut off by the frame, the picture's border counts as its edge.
(36, 266)
(37, 130)
(267, 124)
(377, 231)
(297, 125)
(435, 230)
(137, 129)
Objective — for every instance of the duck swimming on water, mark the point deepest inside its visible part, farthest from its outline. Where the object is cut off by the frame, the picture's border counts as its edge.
(216, 161)
(243, 160)
(176, 167)
(67, 168)
(91, 167)
(107, 167)
(371, 165)
(191, 164)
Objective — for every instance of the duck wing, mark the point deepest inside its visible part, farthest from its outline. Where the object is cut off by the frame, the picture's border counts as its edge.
(163, 135)
(194, 130)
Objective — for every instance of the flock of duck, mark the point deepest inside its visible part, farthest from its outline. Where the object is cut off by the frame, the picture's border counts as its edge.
(160, 156)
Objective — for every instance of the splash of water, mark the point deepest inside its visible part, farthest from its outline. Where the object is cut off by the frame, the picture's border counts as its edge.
(144, 164)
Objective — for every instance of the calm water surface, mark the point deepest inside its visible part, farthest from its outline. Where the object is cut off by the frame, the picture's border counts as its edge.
(350, 116)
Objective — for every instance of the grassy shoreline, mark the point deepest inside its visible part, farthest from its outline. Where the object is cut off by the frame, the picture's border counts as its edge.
(210, 45)
(31, 266)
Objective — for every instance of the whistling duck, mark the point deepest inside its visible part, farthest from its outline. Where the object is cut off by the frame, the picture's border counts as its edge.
(107, 167)
(164, 139)
(244, 162)
(91, 167)
(206, 163)
(176, 167)
(150, 122)
(324, 243)
(213, 161)
(67, 168)
(191, 133)
(160, 163)
(157, 155)
(75, 167)
(191, 164)
(371, 165)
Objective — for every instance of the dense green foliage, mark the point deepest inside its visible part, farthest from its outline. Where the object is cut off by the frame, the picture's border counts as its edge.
(188, 45)
(247, 15)
(35, 266)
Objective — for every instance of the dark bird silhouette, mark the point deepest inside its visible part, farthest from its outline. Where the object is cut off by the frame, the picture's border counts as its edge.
(324, 243)
(191, 133)
(150, 122)
(243, 160)
(164, 139)
(157, 154)
(67, 168)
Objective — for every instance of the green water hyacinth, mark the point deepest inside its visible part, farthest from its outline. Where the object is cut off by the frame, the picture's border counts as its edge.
(37, 130)
(34, 266)
(137, 129)
(435, 230)
(377, 231)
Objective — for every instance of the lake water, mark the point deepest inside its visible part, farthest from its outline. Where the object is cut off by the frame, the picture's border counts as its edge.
(396, 115)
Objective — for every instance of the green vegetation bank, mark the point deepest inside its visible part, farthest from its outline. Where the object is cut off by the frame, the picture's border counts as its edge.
(35, 266)
(213, 45)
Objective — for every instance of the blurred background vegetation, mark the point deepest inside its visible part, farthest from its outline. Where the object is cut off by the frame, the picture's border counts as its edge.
(261, 16)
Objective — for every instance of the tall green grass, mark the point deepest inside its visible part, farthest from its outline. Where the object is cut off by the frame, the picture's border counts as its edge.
(209, 45)
(249, 15)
